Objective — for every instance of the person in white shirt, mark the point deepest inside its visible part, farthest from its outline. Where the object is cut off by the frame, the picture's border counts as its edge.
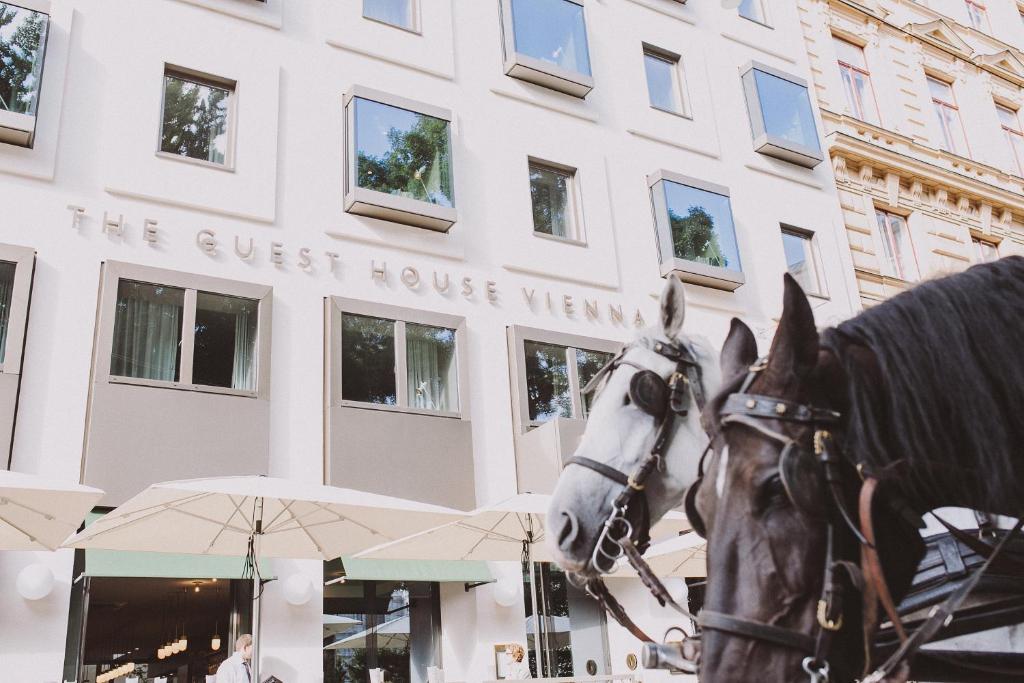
(236, 668)
(518, 667)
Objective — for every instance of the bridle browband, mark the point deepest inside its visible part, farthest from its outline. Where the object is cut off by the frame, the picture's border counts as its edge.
(664, 401)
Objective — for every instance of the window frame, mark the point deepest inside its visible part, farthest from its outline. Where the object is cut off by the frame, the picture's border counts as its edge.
(24, 260)
(843, 67)
(113, 272)
(887, 237)
(952, 106)
(815, 252)
(337, 306)
(518, 335)
(578, 233)
(537, 71)
(976, 251)
(16, 128)
(694, 272)
(766, 22)
(414, 10)
(209, 80)
(975, 4)
(1008, 132)
(363, 201)
(675, 60)
(772, 145)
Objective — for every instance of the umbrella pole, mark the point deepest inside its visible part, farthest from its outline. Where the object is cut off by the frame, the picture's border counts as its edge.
(536, 616)
(256, 589)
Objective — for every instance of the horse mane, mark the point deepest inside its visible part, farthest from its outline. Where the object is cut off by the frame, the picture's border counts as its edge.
(942, 414)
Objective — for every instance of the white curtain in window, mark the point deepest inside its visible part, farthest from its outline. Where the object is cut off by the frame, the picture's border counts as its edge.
(6, 292)
(431, 375)
(243, 374)
(146, 336)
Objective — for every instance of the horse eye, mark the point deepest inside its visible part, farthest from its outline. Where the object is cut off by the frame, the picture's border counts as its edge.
(773, 492)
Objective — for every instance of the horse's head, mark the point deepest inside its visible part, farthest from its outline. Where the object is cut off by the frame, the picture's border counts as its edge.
(776, 588)
(635, 401)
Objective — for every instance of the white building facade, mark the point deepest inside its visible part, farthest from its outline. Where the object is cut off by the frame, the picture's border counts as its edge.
(376, 245)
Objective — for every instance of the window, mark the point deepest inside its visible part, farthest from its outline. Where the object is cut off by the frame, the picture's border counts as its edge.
(554, 202)
(395, 363)
(897, 247)
(753, 10)
(197, 117)
(154, 326)
(853, 68)
(555, 377)
(7, 270)
(16, 266)
(1010, 121)
(664, 87)
(984, 251)
(545, 42)
(978, 15)
(948, 115)
(571, 627)
(23, 34)
(400, 13)
(781, 118)
(695, 231)
(802, 260)
(400, 160)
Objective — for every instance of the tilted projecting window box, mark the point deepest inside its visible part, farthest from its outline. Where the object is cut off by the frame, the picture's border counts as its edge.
(397, 406)
(781, 117)
(17, 265)
(23, 29)
(548, 372)
(399, 160)
(545, 42)
(694, 230)
(181, 379)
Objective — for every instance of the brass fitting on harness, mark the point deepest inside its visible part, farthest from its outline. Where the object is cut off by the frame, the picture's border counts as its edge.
(824, 621)
(820, 437)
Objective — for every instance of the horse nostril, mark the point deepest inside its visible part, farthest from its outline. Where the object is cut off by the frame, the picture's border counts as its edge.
(570, 527)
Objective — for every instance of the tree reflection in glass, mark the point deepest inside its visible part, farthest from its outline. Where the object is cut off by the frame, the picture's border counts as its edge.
(403, 153)
(701, 226)
(368, 360)
(195, 120)
(587, 365)
(549, 195)
(22, 42)
(547, 381)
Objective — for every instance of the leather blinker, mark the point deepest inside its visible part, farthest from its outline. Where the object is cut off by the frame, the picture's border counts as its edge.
(648, 391)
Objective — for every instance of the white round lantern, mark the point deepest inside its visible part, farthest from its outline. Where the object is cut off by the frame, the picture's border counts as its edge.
(506, 592)
(35, 582)
(298, 589)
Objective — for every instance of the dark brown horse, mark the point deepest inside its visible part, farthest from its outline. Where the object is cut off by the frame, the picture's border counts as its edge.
(922, 395)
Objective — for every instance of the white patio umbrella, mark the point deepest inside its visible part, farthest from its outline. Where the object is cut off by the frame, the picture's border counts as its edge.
(684, 556)
(390, 634)
(38, 513)
(334, 623)
(256, 518)
(510, 530)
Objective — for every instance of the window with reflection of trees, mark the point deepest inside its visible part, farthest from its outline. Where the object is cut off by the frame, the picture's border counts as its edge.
(403, 153)
(701, 226)
(22, 46)
(195, 119)
(551, 372)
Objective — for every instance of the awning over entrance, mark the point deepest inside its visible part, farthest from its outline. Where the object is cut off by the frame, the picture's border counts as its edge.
(416, 570)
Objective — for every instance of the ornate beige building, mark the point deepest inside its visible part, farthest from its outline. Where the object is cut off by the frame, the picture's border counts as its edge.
(921, 103)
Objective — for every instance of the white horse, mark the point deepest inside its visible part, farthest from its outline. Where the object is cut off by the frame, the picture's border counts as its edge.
(621, 435)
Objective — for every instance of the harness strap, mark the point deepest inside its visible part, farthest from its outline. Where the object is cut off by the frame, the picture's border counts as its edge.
(941, 615)
(599, 467)
(876, 588)
(651, 580)
(1005, 565)
(597, 589)
(773, 408)
(747, 628)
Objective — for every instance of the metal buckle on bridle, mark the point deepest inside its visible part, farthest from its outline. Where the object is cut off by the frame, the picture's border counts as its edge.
(616, 520)
(818, 671)
(824, 621)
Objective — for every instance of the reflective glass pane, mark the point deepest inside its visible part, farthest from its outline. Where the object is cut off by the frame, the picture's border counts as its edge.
(549, 195)
(547, 381)
(985, 251)
(940, 90)
(225, 347)
(368, 360)
(851, 54)
(22, 44)
(701, 226)
(195, 120)
(1008, 118)
(897, 246)
(147, 331)
(786, 110)
(553, 31)
(662, 83)
(403, 153)
(395, 12)
(800, 261)
(752, 9)
(587, 365)
(6, 295)
(432, 371)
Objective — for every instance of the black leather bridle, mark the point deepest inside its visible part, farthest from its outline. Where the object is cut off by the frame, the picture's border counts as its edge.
(664, 400)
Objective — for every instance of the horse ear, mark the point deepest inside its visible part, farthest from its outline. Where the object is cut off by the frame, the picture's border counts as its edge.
(739, 351)
(795, 347)
(673, 307)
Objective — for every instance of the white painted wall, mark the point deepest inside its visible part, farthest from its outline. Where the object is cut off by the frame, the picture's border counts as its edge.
(293, 64)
